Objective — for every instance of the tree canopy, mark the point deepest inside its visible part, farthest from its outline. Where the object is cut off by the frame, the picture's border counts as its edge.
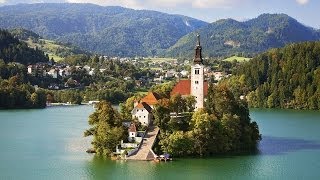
(106, 128)
(282, 78)
(223, 126)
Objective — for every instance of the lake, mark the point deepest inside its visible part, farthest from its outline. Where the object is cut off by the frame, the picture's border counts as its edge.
(49, 144)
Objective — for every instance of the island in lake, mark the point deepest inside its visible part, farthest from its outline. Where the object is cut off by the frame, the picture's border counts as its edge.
(191, 118)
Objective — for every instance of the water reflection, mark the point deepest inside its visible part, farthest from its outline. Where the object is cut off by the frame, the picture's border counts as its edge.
(280, 145)
(104, 168)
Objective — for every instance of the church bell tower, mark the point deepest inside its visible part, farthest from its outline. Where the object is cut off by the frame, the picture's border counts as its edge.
(197, 76)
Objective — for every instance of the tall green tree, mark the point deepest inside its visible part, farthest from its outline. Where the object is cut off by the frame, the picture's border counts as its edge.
(106, 128)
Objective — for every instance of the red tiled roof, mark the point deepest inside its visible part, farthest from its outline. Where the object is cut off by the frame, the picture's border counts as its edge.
(183, 87)
(145, 106)
(132, 128)
(151, 99)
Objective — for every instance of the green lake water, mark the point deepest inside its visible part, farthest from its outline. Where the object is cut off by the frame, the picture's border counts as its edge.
(48, 144)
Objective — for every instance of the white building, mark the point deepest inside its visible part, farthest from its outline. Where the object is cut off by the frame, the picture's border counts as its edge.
(53, 73)
(143, 109)
(143, 113)
(132, 132)
(196, 86)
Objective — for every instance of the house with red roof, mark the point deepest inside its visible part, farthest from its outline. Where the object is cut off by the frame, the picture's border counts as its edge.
(143, 109)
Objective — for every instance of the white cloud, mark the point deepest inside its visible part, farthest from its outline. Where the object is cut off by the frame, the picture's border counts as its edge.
(2, 1)
(302, 2)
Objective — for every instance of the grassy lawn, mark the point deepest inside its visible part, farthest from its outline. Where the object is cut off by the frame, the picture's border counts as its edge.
(55, 57)
(48, 47)
(239, 59)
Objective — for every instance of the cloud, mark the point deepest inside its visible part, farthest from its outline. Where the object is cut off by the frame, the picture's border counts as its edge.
(302, 2)
(2, 1)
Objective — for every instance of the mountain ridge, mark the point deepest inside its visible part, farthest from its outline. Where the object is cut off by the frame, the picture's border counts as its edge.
(119, 31)
(108, 30)
(228, 36)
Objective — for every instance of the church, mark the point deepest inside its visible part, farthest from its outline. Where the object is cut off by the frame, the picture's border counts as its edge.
(196, 86)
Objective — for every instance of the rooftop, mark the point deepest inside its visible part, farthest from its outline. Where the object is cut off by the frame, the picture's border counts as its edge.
(183, 87)
(151, 98)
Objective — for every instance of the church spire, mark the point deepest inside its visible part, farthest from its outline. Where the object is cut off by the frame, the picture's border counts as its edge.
(198, 52)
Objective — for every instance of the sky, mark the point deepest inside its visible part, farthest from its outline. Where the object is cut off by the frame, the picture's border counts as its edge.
(305, 11)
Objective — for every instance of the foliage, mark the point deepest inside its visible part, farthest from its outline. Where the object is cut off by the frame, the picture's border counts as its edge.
(107, 129)
(16, 94)
(67, 96)
(13, 50)
(161, 115)
(163, 89)
(178, 143)
(224, 126)
(283, 78)
(127, 107)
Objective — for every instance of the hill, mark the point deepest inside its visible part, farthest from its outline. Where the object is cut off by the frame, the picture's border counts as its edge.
(228, 36)
(14, 50)
(288, 77)
(113, 31)
(55, 50)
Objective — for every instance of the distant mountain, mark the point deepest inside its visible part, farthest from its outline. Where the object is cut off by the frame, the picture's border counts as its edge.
(14, 50)
(228, 36)
(108, 30)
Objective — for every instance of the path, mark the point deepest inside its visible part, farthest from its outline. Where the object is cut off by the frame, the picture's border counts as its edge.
(145, 153)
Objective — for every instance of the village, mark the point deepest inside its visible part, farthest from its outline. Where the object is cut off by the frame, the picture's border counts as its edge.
(161, 71)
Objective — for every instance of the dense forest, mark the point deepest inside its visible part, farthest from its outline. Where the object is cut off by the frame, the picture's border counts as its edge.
(16, 94)
(15, 91)
(114, 31)
(228, 36)
(288, 77)
(13, 50)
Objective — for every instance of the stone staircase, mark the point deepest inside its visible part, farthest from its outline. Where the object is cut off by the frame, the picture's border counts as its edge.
(145, 151)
